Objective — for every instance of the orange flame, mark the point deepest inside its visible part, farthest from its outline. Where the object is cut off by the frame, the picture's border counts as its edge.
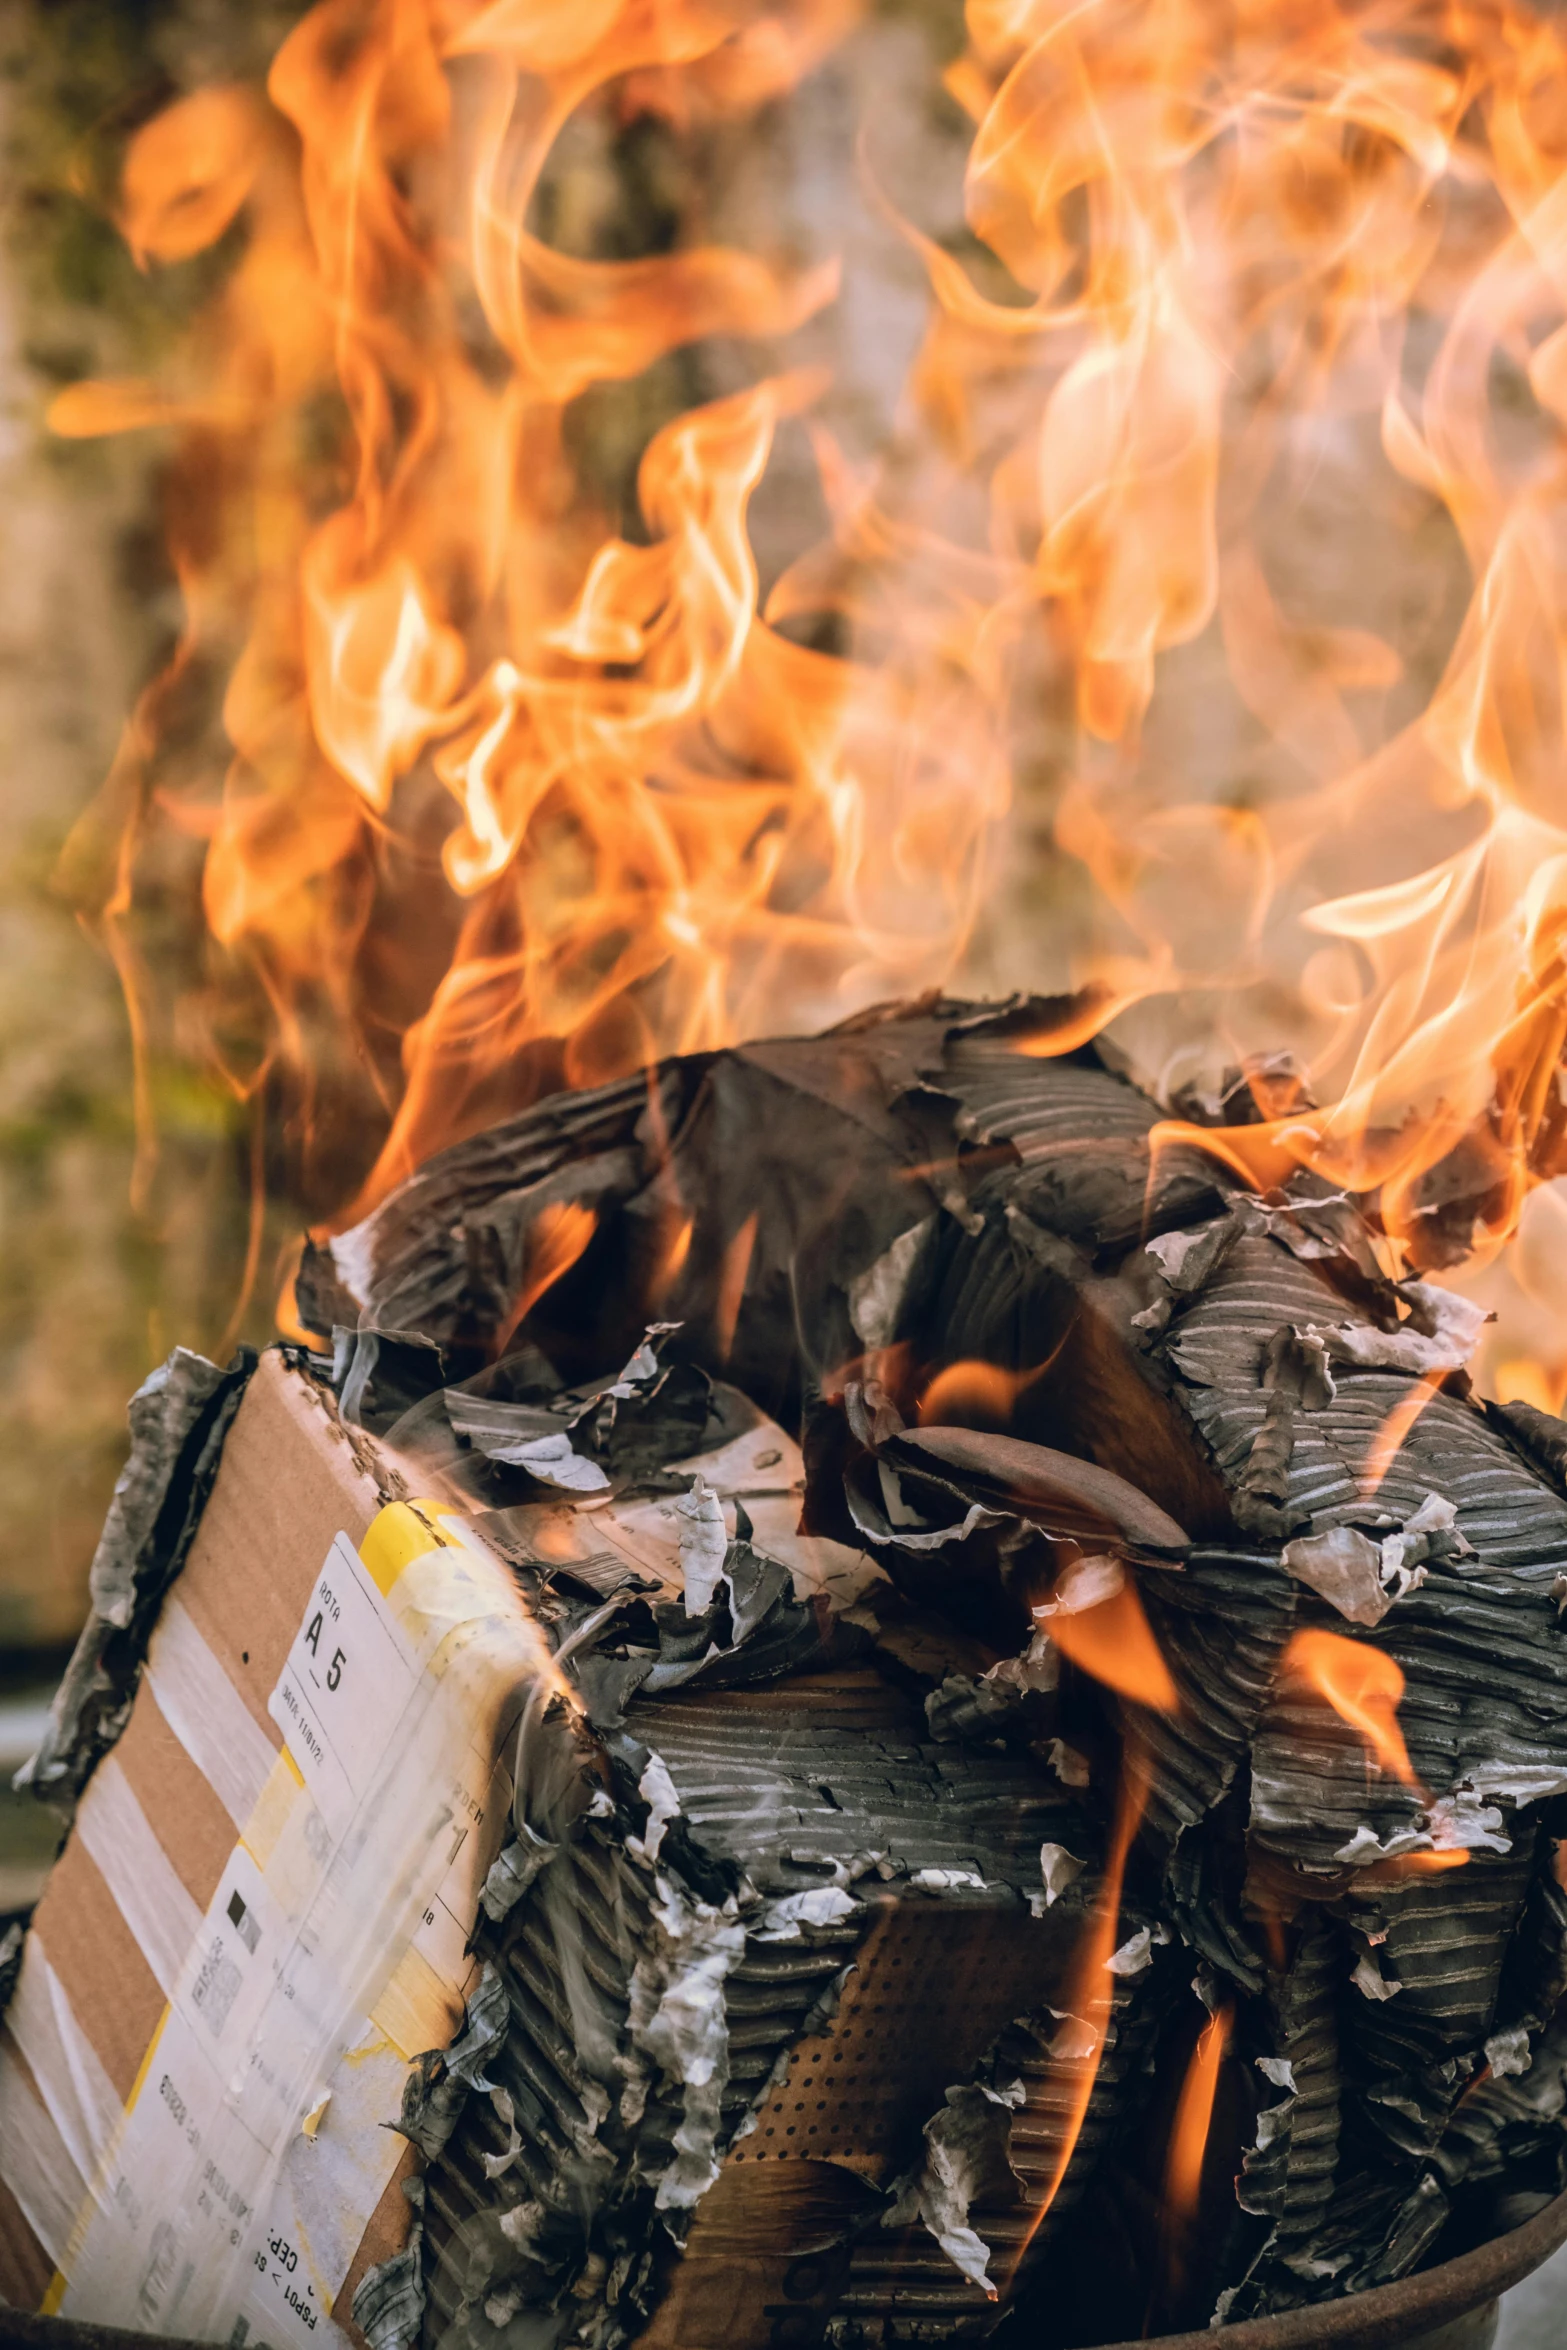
(732, 1276)
(969, 1389)
(507, 765)
(1194, 2119)
(1519, 1379)
(974, 1393)
(1388, 1441)
(1260, 1156)
(1114, 1642)
(1091, 1992)
(653, 806)
(1413, 1864)
(557, 1237)
(1362, 1685)
(1223, 219)
(672, 1259)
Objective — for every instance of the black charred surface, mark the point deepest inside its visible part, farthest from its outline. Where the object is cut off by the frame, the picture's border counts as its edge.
(840, 1226)
(800, 1163)
(786, 1779)
(179, 1418)
(550, 2184)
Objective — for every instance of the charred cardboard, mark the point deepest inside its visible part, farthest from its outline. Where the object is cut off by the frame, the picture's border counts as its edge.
(919, 1192)
(839, 2037)
(790, 1781)
(1186, 1364)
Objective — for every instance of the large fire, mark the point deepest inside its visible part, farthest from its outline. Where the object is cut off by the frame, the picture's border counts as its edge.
(526, 790)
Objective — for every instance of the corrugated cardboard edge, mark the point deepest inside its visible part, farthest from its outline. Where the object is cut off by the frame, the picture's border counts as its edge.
(179, 1421)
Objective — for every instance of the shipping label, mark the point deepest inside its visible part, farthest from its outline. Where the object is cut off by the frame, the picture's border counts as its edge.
(249, 2158)
(348, 1677)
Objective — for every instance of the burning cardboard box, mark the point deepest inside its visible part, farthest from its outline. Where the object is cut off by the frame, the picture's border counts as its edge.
(350, 1750)
(1113, 1813)
(1166, 1833)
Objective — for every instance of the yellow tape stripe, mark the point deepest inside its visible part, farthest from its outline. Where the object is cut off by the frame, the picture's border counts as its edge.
(397, 1535)
(145, 2068)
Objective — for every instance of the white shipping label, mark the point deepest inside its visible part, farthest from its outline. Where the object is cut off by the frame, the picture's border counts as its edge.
(347, 1679)
(327, 2186)
(479, 1799)
(232, 2192)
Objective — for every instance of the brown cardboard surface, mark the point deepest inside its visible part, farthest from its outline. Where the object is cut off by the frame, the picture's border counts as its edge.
(765, 2258)
(770, 2249)
(22, 2258)
(167, 1784)
(24, 2268)
(291, 1478)
(112, 1990)
(288, 1483)
(386, 2233)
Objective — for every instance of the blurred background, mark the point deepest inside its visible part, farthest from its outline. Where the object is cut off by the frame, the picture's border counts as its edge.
(92, 1292)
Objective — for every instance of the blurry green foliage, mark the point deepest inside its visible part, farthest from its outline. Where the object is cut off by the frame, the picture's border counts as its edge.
(93, 1292)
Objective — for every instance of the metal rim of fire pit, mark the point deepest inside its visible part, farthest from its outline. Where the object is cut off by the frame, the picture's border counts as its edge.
(1389, 2314)
(1374, 2320)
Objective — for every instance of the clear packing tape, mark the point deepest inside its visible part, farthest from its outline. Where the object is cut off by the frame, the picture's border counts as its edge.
(228, 2196)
